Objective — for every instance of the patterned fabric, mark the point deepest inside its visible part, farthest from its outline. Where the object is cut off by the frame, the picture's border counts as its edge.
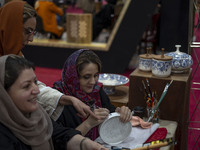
(69, 85)
(159, 134)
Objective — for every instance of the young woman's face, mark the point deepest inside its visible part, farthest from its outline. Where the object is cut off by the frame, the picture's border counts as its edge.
(24, 91)
(28, 31)
(88, 77)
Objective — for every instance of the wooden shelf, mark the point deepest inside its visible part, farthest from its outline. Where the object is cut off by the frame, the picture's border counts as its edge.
(120, 98)
(65, 44)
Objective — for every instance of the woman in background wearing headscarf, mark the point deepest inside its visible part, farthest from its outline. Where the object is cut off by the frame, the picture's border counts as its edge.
(17, 28)
(80, 79)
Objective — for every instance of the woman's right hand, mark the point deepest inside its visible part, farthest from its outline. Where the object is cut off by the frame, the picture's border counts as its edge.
(92, 121)
(101, 113)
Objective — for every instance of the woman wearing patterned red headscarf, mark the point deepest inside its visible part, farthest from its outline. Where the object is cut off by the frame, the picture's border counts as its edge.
(80, 79)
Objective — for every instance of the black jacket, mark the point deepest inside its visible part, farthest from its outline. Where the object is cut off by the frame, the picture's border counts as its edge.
(8, 141)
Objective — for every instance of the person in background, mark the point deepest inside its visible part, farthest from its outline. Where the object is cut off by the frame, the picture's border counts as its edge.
(48, 11)
(31, 2)
(17, 28)
(80, 79)
(24, 125)
(103, 19)
(88, 6)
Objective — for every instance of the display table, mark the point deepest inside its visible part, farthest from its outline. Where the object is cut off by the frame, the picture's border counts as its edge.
(175, 105)
(120, 97)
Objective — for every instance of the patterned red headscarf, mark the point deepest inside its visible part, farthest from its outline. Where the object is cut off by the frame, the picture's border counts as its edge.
(69, 85)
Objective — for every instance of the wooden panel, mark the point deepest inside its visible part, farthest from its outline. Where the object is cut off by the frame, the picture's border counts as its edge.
(79, 28)
(175, 105)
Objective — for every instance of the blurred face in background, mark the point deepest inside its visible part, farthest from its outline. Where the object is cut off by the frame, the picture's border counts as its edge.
(28, 31)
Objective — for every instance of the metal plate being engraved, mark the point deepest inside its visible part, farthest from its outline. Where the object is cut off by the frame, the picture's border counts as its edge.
(112, 131)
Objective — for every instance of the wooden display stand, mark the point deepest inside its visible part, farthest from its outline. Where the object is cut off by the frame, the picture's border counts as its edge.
(120, 97)
(175, 105)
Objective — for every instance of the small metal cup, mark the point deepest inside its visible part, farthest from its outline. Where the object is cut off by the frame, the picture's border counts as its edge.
(138, 111)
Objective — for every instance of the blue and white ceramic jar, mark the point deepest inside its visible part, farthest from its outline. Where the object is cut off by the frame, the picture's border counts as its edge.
(161, 65)
(181, 62)
(145, 62)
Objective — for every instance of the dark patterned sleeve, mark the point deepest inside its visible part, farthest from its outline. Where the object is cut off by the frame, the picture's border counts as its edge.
(61, 135)
(105, 101)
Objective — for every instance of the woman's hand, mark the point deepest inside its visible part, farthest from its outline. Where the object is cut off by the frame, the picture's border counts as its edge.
(125, 113)
(91, 121)
(91, 145)
(82, 109)
(101, 113)
(81, 143)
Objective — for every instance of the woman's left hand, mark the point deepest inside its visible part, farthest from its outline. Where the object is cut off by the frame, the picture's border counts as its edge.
(125, 113)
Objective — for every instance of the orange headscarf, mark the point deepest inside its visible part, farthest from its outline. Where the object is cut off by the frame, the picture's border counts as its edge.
(11, 28)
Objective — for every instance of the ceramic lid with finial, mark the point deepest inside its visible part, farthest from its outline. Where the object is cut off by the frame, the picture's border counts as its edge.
(180, 60)
(162, 56)
(148, 55)
(178, 54)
